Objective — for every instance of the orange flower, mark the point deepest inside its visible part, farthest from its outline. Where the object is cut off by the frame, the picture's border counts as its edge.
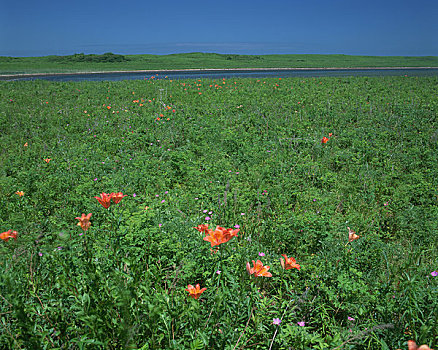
(84, 221)
(202, 228)
(20, 193)
(258, 269)
(26, 144)
(219, 235)
(104, 199)
(47, 160)
(228, 232)
(324, 139)
(195, 292)
(412, 345)
(330, 134)
(8, 234)
(117, 197)
(289, 263)
(352, 235)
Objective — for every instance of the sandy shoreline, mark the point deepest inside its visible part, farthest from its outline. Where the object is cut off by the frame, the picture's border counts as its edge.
(195, 70)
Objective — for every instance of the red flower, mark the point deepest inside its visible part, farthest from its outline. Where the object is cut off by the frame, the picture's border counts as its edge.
(84, 221)
(117, 197)
(258, 269)
(289, 263)
(201, 228)
(324, 139)
(104, 199)
(8, 234)
(195, 292)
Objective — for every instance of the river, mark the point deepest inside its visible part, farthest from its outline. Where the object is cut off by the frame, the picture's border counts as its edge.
(220, 74)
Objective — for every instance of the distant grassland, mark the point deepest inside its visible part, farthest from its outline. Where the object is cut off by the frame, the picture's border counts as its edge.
(114, 62)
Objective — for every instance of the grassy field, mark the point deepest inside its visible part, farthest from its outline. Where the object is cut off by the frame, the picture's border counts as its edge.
(110, 62)
(288, 166)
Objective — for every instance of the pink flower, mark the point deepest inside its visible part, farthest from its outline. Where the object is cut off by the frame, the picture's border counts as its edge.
(276, 321)
(301, 324)
(261, 254)
(434, 273)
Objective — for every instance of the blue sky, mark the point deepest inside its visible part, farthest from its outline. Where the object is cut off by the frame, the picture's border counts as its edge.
(382, 27)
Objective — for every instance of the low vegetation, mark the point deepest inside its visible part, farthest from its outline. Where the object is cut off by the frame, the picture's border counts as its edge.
(320, 196)
(113, 62)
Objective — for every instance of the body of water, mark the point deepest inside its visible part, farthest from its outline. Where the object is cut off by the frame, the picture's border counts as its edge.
(220, 74)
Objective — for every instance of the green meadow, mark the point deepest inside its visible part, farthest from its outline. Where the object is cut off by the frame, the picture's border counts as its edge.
(287, 167)
(197, 60)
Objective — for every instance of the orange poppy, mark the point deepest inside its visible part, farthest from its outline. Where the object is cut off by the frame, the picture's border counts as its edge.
(324, 139)
(412, 345)
(84, 221)
(20, 193)
(352, 235)
(258, 269)
(117, 197)
(104, 199)
(195, 292)
(26, 144)
(330, 134)
(47, 160)
(289, 263)
(8, 234)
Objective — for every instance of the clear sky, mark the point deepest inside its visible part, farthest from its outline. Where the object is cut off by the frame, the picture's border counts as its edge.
(352, 27)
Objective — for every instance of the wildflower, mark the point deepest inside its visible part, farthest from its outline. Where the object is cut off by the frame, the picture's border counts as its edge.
(434, 273)
(258, 269)
(104, 199)
(47, 160)
(26, 144)
(84, 221)
(301, 324)
(195, 292)
(350, 318)
(289, 263)
(261, 254)
(20, 193)
(207, 218)
(324, 140)
(117, 197)
(40, 254)
(276, 321)
(134, 195)
(202, 228)
(8, 234)
(236, 226)
(352, 235)
(219, 235)
(218, 272)
(413, 346)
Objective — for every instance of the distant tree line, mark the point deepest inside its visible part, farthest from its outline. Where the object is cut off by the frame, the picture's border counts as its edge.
(107, 57)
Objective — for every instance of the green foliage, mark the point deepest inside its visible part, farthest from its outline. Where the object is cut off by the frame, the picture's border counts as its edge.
(241, 152)
(80, 57)
(199, 60)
